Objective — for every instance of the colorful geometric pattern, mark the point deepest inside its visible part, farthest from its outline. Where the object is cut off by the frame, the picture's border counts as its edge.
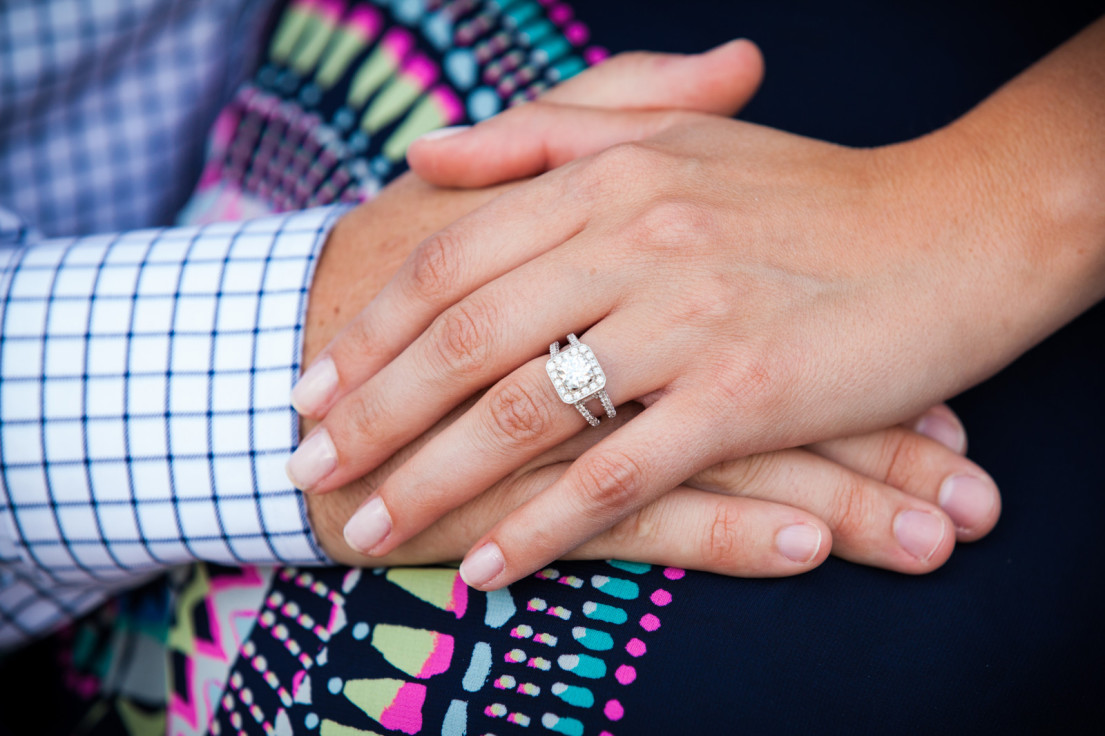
(346, 87)
(214, 612)
(414, 651)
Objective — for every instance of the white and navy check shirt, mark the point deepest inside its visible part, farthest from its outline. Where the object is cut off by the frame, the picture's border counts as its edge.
(144, 375)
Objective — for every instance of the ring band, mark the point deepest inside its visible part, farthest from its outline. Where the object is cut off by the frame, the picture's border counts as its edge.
(577, 377)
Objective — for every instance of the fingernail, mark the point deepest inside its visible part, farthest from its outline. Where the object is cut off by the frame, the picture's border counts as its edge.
(947, 432)
(313, 460)
(436, 135)
(315, 387)
(369, 526)
(798, 542)
(919, 533)
(967, 499)
(481, 566)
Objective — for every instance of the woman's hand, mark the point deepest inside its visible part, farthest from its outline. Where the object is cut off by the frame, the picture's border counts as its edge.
(772, 514)
(753, 289)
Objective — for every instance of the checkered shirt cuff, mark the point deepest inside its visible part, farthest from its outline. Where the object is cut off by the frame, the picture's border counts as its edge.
(144, 414)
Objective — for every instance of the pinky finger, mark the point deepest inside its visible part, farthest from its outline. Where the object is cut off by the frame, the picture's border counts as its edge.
(942, 424)
(743, 537)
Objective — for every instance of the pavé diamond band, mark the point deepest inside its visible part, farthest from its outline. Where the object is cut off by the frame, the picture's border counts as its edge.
(577, 377)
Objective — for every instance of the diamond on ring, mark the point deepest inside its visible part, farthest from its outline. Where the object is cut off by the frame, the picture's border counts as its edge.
(577, 376)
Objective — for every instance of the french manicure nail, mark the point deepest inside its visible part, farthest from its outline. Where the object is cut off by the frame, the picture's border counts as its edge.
(369, 526)
(314, 459)
(798, 542)
(942, 429)
(483, 565)
(919, 533)
(967, 499)
(315, 387)
(436, 135)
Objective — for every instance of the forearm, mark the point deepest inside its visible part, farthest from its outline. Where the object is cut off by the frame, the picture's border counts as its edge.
(1031, 166)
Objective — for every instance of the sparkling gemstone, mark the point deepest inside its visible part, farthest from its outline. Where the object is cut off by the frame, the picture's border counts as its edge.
(576, 371)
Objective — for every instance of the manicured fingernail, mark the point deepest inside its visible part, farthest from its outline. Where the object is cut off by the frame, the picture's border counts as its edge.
(314, 459)
(919, 533)
(315, 387)
(967, 499)
(481, 566)
(944, 430)
(798, 542)
(436, 135)
(369, 526)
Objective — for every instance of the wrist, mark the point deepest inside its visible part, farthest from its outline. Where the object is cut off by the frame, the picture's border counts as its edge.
(1016, 225)
(1032, 157)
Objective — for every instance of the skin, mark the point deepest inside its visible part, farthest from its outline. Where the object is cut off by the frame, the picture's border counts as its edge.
(729, 517)
(726, 519)
(777, 291)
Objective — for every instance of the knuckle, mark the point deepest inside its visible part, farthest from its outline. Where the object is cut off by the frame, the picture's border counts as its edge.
(740, 476)
(517, 413)
(851, 508)
(722, 541)
(460, 337)
(618, 167)
(435, 267)
(903, 459)
(671, 224)
(629, 157)
(358, 339)
(525, 116)
(359, 419)
(610, 484)
(750, 381)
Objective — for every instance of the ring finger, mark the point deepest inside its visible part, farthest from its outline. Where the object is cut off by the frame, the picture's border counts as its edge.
(515, 421)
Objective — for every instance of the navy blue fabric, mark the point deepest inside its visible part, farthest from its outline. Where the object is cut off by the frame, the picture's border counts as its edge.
(1007, 637)
(854, 72)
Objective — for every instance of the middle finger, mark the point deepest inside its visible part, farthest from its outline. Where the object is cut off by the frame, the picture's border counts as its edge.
(471, 345)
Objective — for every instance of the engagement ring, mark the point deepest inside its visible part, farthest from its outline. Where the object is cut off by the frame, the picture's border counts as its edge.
(577, 377)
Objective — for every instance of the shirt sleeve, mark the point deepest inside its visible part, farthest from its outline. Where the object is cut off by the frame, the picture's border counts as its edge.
(144, 411)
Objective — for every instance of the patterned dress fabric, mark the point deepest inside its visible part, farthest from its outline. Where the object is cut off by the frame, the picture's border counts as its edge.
(346, 87)
(414, 650)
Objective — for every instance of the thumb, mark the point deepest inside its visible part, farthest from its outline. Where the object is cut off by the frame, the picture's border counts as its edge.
(719, 81)
(532, 139)
(616, 101)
